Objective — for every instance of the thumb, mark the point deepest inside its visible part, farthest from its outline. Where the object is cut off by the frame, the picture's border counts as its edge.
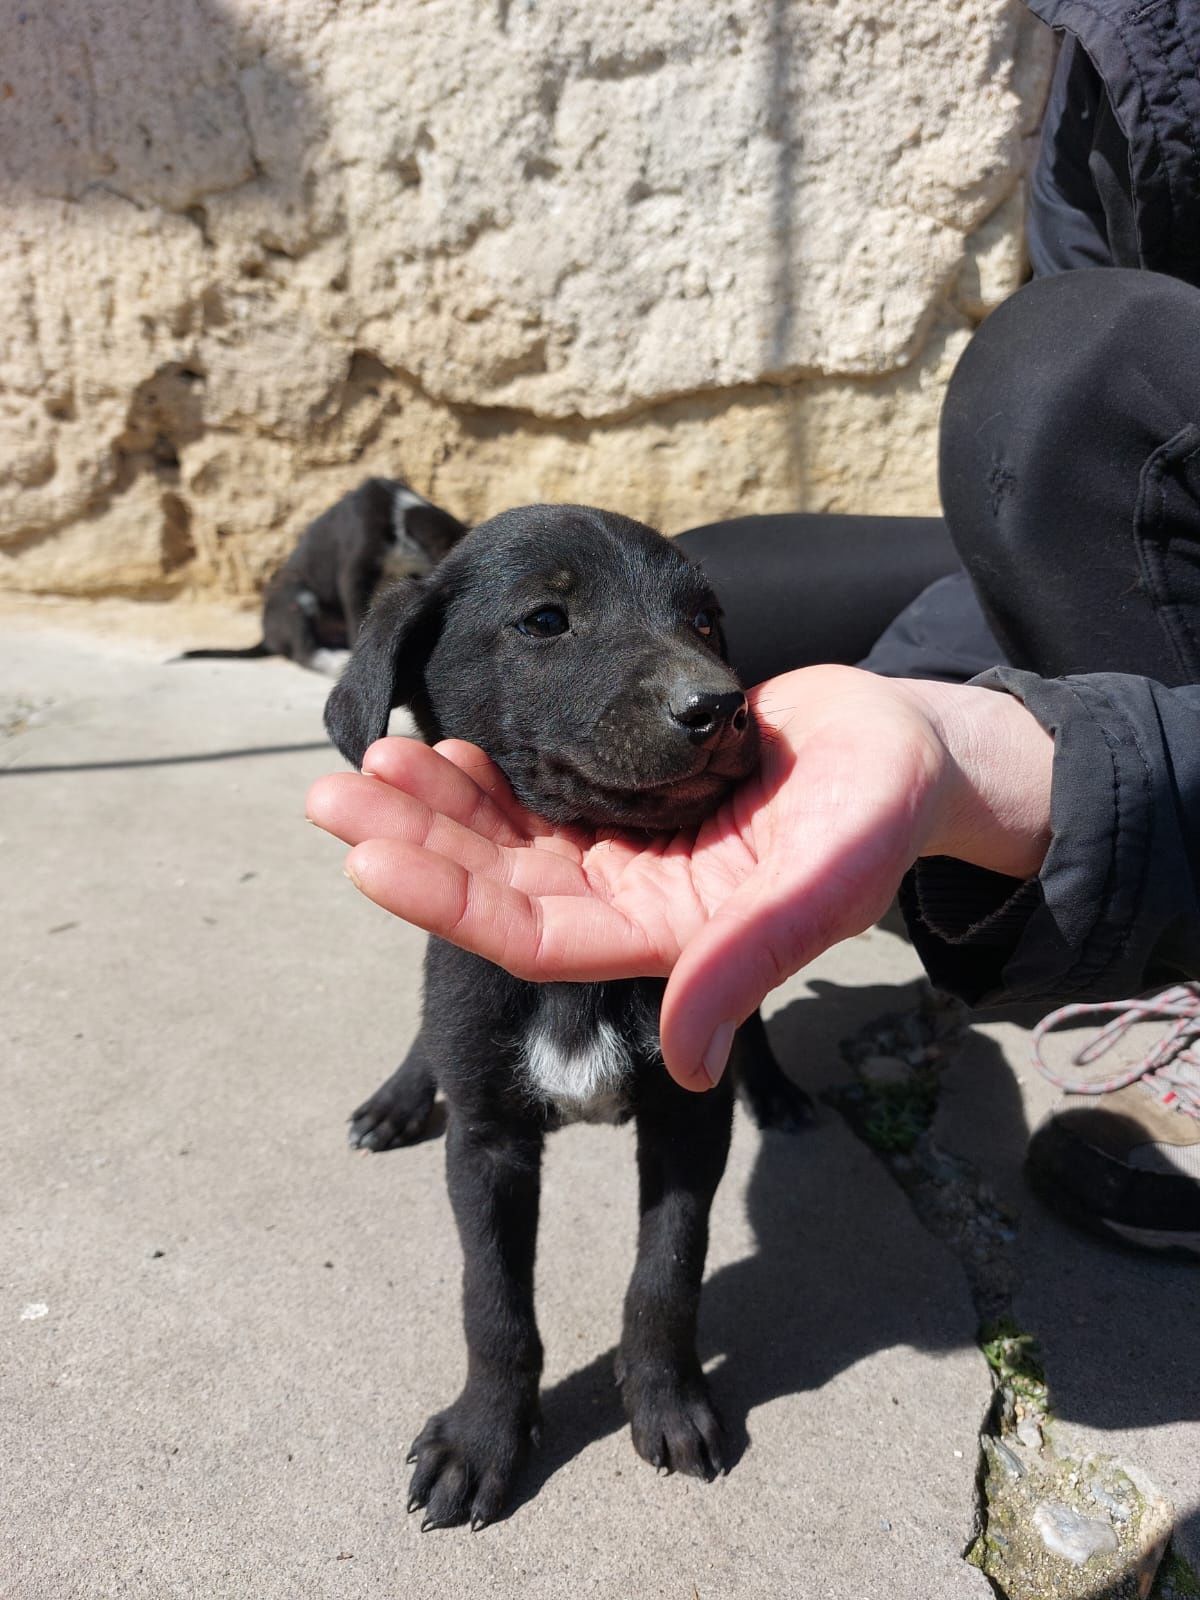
(723, 974)
(768, 929)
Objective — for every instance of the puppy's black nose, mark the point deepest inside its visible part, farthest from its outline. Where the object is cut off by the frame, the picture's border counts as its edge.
(704, 715)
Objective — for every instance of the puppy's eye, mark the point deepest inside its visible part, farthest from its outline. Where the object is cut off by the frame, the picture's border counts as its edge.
(544, 623)
(705, 622)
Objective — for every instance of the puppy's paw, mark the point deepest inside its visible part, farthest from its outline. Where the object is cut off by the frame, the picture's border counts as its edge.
(779, 1105)
(397, 1114)
(674, 1423)
(467, 1458)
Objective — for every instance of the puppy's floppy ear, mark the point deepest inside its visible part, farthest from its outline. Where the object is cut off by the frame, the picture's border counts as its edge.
(387, 666)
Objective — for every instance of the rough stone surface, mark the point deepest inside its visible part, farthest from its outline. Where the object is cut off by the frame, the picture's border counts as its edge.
(684, 259)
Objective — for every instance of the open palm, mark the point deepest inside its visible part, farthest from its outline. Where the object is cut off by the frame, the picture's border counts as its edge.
(807, 852)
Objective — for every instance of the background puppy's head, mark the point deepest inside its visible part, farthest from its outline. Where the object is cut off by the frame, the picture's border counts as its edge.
(582, 651)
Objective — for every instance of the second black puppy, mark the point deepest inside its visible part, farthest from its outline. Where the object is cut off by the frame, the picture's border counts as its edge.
(316, 601)
(584, 654)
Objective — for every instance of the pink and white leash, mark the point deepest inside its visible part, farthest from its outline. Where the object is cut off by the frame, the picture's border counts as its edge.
(1171, 1070)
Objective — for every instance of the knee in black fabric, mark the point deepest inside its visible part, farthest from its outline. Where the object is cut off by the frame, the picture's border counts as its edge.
(1062, 396)
(1071, 370)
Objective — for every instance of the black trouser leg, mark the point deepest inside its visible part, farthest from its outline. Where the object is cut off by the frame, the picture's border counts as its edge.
(804, 588)
(1069, 470)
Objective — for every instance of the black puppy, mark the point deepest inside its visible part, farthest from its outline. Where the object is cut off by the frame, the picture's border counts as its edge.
(317, 600)
(584, 654)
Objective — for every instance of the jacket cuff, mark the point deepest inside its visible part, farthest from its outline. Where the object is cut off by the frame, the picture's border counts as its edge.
(965, 922)
(1062, 935)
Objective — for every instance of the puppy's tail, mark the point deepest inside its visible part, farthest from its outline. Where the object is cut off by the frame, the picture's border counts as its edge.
(251, 651)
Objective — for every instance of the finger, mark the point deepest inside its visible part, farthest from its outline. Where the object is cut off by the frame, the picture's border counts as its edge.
(408, 765)
(482, 770)
(357, 809)
(541, 938)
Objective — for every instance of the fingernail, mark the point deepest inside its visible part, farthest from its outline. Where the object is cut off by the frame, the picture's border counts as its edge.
(716, 1057)
(350, 873)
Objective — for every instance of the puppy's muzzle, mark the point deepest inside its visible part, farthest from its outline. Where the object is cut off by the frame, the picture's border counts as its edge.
(705, 715)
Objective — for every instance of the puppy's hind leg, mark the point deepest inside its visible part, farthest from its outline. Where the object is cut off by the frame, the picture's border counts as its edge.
(772, 1099)
(399, 1111)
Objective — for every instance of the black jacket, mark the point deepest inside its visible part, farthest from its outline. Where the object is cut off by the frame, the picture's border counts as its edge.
(1117, 182)
(1116, 907)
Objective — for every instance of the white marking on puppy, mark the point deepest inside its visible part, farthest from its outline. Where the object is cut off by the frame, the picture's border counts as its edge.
(404, 499)
(404, 557)
(584, 1084)
(330, 662)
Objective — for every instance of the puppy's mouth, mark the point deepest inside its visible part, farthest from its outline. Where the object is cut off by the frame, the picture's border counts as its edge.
(566, 790)
(682, 803)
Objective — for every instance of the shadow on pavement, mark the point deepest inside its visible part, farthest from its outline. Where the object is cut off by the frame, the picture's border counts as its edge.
(168, 761)
(830, 1280)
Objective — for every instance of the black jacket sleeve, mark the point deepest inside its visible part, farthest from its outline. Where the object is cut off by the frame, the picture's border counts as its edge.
(1080, 212)
(1117, 181)
(1116, 907)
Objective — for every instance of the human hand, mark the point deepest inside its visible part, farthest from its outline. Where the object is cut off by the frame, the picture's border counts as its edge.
(860, 775)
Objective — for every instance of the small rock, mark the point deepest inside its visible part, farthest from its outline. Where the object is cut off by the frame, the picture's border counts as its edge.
(1029, 1433)
(34, 1310)
(1007, 1460)
(1117, 1509)
(885, 1069)
(1076, 1538)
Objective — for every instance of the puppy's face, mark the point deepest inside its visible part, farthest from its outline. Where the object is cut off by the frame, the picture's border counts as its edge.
(581, 651)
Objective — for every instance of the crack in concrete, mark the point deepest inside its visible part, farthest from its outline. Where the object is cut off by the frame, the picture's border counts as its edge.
(898, 1060)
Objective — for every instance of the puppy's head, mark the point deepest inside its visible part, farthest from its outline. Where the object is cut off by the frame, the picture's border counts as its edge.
(580, 650)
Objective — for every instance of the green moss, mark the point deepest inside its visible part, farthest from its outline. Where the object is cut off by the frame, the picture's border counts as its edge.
(890, 1117)
(1013, 1357)
(1175, 1580)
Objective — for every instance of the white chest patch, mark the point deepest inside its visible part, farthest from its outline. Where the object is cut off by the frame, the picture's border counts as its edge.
(585, 1082)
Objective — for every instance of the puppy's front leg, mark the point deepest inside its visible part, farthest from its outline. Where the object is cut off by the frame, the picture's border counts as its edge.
(468, 1455)
(683, 1140)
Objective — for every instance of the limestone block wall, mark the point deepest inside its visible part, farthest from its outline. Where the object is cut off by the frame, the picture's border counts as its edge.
(683, 258)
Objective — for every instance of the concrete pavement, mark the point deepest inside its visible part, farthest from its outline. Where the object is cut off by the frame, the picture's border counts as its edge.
(221, 1328)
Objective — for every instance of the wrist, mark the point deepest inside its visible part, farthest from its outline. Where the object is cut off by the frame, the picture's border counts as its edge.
(993, 808)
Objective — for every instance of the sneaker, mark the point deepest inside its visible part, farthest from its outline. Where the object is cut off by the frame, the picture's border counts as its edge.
(1127, 1165)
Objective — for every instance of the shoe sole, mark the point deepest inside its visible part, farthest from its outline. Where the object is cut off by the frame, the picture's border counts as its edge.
(1176, 1246)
